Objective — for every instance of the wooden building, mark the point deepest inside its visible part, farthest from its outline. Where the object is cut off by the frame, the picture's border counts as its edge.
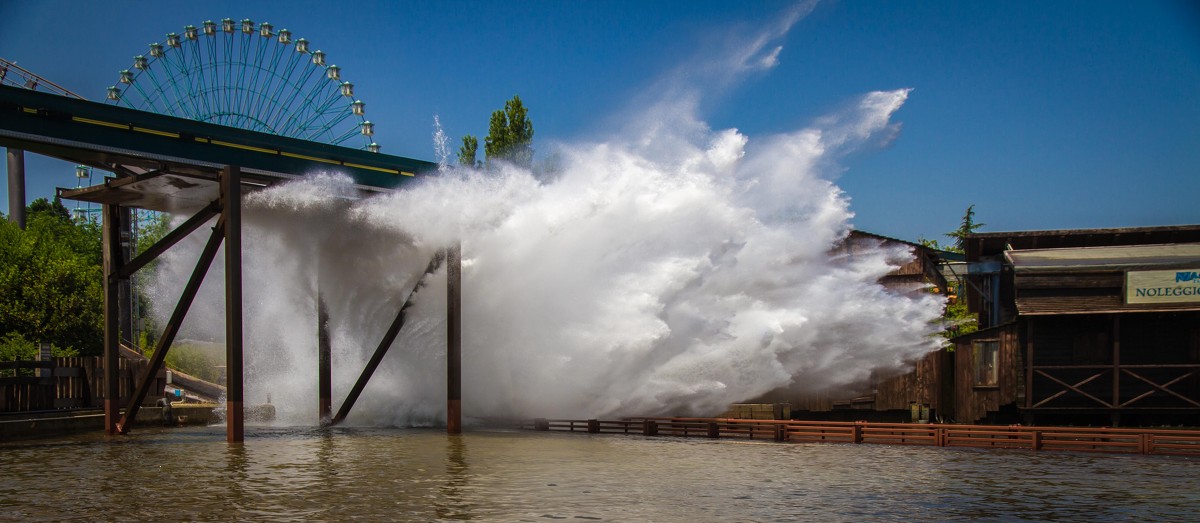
(1098, 326)
(886, 397)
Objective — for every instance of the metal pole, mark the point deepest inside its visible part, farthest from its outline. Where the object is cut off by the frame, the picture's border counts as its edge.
(16, 187)
(324, 362)
(124, 289)
(231, 212)
(111, 253)
(152, 252)
(454, 339)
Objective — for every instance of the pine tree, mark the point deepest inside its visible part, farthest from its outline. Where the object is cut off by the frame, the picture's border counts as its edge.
(968, 226)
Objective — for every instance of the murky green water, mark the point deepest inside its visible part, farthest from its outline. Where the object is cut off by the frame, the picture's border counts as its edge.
(416, 475)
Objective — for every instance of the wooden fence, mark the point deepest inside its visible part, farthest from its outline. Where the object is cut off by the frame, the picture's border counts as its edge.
(1115, 440)
(68, 383)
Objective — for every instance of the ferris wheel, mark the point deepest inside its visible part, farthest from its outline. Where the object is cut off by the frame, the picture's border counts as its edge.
(249, 77)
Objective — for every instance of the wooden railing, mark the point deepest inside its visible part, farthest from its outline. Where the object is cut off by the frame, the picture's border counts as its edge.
(66, 383)
(1115, 440)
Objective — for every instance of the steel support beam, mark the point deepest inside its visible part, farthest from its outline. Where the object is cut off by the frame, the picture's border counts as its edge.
(124, 284)
(112, 261)
(324, 363)
(388, 338)
(16, 187)
(231, 215)
(454, 339)
(172, 328)
(173, 237)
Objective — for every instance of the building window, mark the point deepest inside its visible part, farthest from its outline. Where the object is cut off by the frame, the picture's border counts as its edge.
(987, 363)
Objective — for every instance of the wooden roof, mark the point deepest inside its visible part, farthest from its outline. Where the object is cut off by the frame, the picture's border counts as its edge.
(980, 245)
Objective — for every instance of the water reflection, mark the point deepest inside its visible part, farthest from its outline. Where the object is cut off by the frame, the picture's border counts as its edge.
(452, 504)
(404, 475)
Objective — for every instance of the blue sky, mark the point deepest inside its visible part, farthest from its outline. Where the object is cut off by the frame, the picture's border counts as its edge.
(1044, 115)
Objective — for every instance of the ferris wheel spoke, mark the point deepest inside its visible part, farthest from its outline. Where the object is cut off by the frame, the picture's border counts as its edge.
(256, 85)
(182, 100)
(150, 93)
(276, 77)
(201, 81)
(250, 72)
(345, 136)
(293, 118)
(279, 111)
(264, 79)
(215, 75)
(226, 104)
(337, 120)
(160, 87)
(244, 49)
(328, 103)
(248, 76)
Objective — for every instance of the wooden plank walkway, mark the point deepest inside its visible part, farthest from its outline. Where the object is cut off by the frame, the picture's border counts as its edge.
(1113, 440)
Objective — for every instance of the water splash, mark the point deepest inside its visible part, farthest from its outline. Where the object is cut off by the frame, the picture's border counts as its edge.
(630, 284)
(670, 269)
(441, 144)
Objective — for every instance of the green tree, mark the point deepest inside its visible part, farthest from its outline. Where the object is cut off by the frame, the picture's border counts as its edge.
(44, 206)
(933, 244)
(50, 280)
(967, 227)
(956, 318)
(466, 153)
(510, 135)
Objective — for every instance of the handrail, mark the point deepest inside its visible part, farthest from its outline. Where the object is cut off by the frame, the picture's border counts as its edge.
(27, 364)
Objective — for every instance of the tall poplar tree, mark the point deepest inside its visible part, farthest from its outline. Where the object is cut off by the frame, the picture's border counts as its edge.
(510, 135)
(466, 153)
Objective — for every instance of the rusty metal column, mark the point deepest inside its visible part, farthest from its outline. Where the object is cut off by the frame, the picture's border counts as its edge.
(16, 187)
(111, 253)
(231, 211)
(454, 339)
(324, 363)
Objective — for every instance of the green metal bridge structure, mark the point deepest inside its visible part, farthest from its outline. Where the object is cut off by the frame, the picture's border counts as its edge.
(219, 110)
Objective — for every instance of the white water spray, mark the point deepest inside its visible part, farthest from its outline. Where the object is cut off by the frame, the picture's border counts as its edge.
(673, 270)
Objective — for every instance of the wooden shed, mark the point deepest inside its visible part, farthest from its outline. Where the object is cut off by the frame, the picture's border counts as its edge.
(987, 378)
(1083, 326)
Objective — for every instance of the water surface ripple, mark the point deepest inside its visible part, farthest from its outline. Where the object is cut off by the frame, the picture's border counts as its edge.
(366, 474)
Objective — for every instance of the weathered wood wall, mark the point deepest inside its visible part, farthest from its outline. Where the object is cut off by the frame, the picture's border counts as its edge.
(973, 403)
(923, 384)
